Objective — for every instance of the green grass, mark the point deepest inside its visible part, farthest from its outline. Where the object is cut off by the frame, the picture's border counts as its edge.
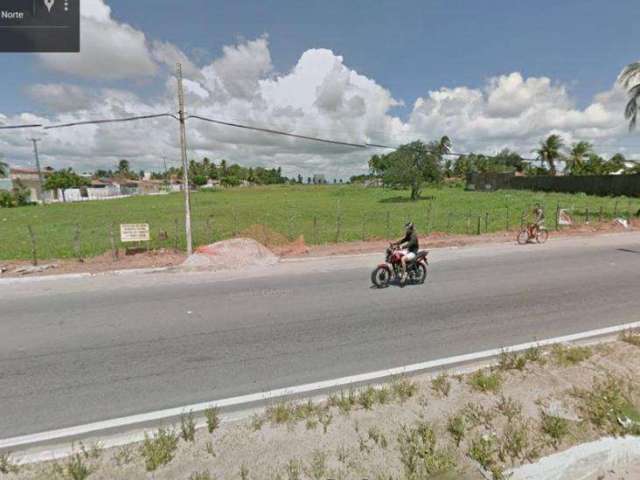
(290, 211)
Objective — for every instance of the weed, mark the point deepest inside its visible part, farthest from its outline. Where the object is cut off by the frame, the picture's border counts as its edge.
(511, 361)
(607, 403)
(456, 427)
(403, 388)
(244, 472)
(281, 412)
(363, 445)
(345, 402)
(441, 385)
(94, 452)
(305, 410)
(318, 465)
(209, 448)
(554, 427)
(631, 337)
(294, 469)
(342, 454)
(213, 418)
(483, 450)
(477, 415)
(123, 456)
(311, 423)
(378, 437)
(325, 419)
(383, 395)
(419, 454)
(257, 422)
(485, 381)
(534, 354)
(6, 465)
(188, 427)
(566, 355)
(76, 469)
(509, 407)
(515, 441)
(160, 449)
(366, 398)
(204, 475)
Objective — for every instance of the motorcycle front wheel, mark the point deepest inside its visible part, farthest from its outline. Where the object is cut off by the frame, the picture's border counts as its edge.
(381, 277)
(523, 237)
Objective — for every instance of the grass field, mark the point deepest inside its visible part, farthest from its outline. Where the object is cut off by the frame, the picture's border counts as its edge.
(320, 213)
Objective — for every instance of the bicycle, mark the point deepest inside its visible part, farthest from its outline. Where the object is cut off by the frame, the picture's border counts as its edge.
(533, 232)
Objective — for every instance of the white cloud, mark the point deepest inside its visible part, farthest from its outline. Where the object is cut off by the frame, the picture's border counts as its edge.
(108, 49)
(320, 96)
(60, 97)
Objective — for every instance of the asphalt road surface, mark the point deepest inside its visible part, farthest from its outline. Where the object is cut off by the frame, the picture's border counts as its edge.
(83, 350)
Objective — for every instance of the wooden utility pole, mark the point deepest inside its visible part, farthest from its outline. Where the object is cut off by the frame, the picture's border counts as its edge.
(40, 181)
(185, 165)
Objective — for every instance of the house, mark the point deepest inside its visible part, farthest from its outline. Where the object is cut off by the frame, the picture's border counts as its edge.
(28, 178)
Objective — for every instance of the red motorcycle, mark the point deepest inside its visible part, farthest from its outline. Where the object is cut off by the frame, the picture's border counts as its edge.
(392, 268)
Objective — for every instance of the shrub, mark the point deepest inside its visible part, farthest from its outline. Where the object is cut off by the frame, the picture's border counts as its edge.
(567, 355)
(76, 469)
(511, 361)
(630, 337)
(456, 427)
(554, 427)
(6, 465)
(403, 388)
(509, 407)
(367, 397)
(188, 427)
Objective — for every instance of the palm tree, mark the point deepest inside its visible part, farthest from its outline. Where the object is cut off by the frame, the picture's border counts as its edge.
(549, 151)
(578, 153)
(4, 169)
(630, 79)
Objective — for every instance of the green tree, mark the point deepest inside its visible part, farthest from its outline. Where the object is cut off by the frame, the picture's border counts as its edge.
(415, 163)
(124, 168)
(550, 151)
(63, 179)
(630, 79)
(579, 152)
(4, 169)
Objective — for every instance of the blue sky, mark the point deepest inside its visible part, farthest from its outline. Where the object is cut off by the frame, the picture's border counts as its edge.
(408, 48)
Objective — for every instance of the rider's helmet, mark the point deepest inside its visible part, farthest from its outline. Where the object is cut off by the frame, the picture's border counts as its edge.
(409, 226)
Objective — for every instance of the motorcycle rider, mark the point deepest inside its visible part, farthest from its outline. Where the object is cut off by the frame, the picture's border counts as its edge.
(410, 247)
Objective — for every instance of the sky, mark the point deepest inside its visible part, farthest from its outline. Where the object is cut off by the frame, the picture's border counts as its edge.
(491, 75)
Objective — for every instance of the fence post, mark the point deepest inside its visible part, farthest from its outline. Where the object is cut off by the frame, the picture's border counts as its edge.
(338, 221)
(114, 250)
(34, 254)
(615, 210)
(586, 215)
(364, 227)
(479, 220)
(290, 218)
(315, 230)
(210, 228)
(448, 221)
(508, 219)
(468, 223)
(600, 215)
(76, 243)
(558, 216)
(486, 222)
(235, 222)
(177, 232)
(388, 225)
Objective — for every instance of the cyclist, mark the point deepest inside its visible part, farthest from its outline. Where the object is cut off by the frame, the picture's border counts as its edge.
(538, 223)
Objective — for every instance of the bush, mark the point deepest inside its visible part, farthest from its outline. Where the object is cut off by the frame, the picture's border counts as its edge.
(159, 450)
(485, 381)
(213, 418)
(419, 454)
(554, 427)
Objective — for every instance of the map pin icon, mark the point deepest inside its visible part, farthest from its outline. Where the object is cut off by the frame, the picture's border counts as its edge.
(49, 4)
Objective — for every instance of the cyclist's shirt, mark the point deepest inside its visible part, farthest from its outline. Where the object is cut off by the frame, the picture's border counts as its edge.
(539, 216)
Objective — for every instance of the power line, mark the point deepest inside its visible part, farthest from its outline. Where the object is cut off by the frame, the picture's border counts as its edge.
(115, 120)
(14, 127)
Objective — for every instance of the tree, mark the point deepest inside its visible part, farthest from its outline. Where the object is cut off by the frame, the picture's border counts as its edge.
(630, 79)
(63, 179)
(4, 169)
(123, 168)
(577, 155)
(550, 151)
(413, 164)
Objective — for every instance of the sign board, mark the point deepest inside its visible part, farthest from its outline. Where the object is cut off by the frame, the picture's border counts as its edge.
(564, 218)
(134, 232)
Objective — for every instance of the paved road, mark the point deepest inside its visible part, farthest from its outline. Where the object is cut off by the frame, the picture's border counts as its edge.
(77, 351)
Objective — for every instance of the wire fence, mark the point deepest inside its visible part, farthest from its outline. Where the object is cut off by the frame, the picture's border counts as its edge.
(98, 235)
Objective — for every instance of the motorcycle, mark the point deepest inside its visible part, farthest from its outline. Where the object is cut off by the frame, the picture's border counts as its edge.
(391, 269)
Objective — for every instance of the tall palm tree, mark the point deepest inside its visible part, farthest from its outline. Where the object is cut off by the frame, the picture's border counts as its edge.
(630, 79)
(4, 169)
(579, 152)
(550, 151)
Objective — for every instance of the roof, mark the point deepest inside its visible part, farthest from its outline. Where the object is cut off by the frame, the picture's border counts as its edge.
(29, 171)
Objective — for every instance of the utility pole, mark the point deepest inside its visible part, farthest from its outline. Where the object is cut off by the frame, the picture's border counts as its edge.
(41, 183)
(185, 166)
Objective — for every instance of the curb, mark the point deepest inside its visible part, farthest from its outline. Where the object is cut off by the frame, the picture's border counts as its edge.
(73, 276)
(236, 408)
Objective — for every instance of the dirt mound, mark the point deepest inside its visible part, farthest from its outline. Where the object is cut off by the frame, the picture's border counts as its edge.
(230, 254)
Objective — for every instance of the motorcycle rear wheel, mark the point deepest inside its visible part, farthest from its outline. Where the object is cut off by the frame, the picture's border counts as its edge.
(542, 236)
(421, 273)
(381, 277)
